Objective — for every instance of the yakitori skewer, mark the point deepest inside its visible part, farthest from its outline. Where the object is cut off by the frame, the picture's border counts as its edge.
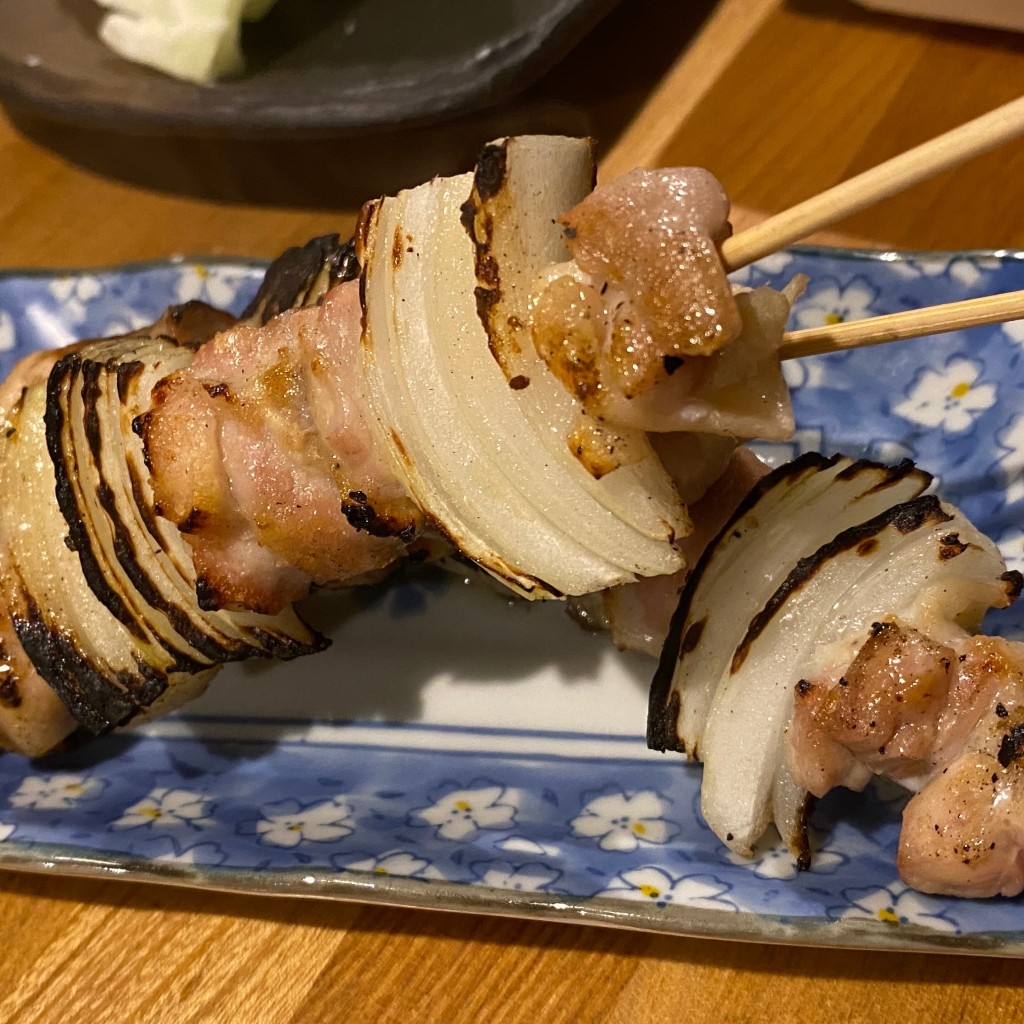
(913, 323)
(916, 165)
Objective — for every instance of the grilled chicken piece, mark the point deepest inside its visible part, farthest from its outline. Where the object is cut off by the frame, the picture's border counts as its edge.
(642, 326)
(946, 720)
(261, 453)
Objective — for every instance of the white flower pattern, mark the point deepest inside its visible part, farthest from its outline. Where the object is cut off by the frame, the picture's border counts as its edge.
(775, 263)
(205, 284)
(1014, 330)
(462, 813)
(894, 904)
(965, 271)
(166, 851)
(396, 864)
(124, 324)
(1011, 440)
(74, 294)
(532, 877)
(167, 808)
(289, 823)
(55, 792)
(621, 821)
(832, 303)
(803, 373)
(654, 885)
(524, 845)
(1011, 547)
(950, 398)
(7, 334)
(777, 862)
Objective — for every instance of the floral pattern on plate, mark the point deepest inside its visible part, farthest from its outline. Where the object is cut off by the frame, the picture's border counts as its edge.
(450, 794)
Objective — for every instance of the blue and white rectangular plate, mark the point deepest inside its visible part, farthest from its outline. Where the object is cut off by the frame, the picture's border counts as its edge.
(459, 750)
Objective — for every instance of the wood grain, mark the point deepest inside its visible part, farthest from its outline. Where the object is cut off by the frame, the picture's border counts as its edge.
(799, 95)
(825, 90)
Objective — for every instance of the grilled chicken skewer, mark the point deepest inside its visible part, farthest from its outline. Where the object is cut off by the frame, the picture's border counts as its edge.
(544, 391)
(175, 491)
(852, 651)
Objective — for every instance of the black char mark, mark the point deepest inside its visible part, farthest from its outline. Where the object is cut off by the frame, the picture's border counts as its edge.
(195, 520)
(301, 275)
(1014, 581)
(97, 702)
(222, 649)
(285, 648)
(515, 578)
(263, 643)
(491, 167)
(9, 694)
(365, 227)
(664, 703)
(65, 375)
(201, 642)
(10, 697)
(219, 390)
(800, 844)
(146, 512)
(488, 181)
(1011, 749)
(891, 474)
(906, 518)
(952, 546)
(93, 569)
(693, 635)
(362, 516)
(207, 596)
(126, 374)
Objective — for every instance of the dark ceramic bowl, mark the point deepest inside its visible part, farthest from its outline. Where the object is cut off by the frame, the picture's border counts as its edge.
(327, 65)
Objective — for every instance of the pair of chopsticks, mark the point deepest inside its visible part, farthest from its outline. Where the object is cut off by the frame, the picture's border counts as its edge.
(942, 153)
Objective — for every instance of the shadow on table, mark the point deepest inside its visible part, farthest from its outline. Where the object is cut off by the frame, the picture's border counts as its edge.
(595, 91)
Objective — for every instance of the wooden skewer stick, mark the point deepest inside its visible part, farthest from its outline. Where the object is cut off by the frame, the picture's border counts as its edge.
(876, 330)
(949, 150)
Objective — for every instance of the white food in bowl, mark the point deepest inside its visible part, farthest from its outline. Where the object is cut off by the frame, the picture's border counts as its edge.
(195, 40)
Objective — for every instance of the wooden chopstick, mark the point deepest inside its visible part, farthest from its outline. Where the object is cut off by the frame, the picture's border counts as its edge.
(924, 161)
(876, 330)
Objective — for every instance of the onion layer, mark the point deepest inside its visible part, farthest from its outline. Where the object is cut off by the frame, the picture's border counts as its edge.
(850, 550)
(485, 456)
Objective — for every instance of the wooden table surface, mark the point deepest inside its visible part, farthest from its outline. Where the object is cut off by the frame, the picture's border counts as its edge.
(780, 98)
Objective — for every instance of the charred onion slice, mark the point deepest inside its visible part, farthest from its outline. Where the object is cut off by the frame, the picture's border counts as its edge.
(510, 217)
(99, 590)
(302, 276)
(84, 653)
(488, 475)
(789, 514)
(919, 561)
(143, 552)
(911, 562)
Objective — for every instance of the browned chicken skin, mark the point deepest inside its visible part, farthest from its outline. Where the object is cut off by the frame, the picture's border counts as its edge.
(261, 453)
(944, 718)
